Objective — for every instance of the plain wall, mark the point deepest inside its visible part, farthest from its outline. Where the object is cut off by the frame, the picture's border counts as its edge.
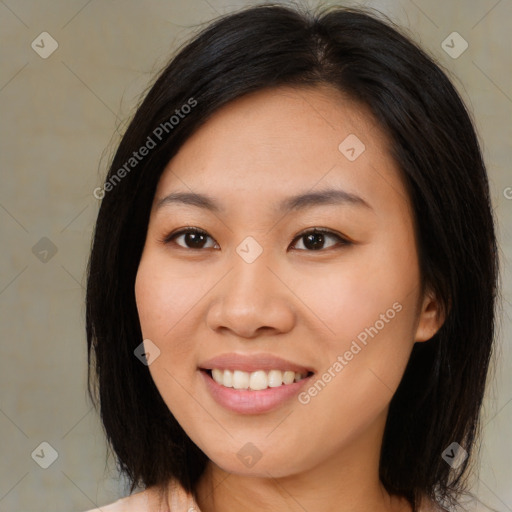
(61, 117)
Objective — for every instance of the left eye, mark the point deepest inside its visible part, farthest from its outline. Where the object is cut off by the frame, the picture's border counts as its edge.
(316, 237)
(314, 240)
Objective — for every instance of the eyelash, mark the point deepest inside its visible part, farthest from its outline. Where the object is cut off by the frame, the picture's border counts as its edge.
(342, 241)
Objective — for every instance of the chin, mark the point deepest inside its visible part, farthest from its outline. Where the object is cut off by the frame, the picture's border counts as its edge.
(250, 462)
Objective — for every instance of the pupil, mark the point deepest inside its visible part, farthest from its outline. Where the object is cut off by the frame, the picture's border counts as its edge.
(193, 238)
(319, 237)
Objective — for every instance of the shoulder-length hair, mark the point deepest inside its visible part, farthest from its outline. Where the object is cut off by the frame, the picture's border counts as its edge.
(435, 148)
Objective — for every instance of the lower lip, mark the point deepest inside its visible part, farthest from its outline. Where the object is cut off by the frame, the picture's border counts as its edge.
(244, 401)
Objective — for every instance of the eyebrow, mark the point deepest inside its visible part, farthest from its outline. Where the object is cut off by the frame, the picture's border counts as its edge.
(327, 196)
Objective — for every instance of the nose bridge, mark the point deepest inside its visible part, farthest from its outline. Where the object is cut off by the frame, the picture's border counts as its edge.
(250, 282)
(251, 296)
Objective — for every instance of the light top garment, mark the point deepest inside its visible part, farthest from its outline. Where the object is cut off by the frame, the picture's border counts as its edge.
(181, 501)
(147, 501)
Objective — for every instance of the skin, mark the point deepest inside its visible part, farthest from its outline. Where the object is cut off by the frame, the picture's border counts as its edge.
(298, 303)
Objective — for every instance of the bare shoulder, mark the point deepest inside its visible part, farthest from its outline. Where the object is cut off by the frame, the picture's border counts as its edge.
(138, 502)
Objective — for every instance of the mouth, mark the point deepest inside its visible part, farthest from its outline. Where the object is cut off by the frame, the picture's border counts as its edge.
(257, 380)
(257, 392)
(253, 383)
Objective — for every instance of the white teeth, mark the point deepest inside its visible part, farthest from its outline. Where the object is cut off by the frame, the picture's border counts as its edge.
(288, 377)
(257, 380)
(228, 379)
(240, 380)
(275, 378)
(217, 375)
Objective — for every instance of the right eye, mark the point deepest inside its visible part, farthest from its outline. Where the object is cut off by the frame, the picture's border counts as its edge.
(193, 238)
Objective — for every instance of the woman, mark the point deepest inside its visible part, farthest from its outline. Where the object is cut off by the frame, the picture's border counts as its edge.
(290, 300)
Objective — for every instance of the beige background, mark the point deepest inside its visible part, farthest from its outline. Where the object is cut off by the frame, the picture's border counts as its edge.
(61, 117)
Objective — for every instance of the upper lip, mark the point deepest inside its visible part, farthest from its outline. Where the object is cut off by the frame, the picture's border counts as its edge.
(252, 363)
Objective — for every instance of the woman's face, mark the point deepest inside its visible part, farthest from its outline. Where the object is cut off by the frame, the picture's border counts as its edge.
(342, 306)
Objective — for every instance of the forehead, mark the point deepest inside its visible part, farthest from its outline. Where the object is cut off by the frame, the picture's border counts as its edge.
(286, 140)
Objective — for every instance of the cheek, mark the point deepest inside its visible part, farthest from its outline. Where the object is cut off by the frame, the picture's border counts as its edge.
(366, 309)
(364, 354)
(164, 296)
(366, 287)
(163, 299)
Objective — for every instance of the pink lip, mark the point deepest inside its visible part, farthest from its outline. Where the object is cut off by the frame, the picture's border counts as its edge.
(245, 401)
(252, 363)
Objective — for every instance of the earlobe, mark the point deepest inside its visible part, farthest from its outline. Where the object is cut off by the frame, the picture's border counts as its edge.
(431, 318)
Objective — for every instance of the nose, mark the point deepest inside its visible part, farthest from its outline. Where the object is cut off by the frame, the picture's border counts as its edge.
(251, 300)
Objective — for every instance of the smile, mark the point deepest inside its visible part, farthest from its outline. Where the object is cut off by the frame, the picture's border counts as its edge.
(256, 380)
(248, 400)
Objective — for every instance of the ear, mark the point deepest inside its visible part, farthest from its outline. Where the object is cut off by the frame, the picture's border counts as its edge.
(431, 317)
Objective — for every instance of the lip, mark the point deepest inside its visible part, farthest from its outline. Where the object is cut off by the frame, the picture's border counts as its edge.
(244, 401)
(252, 363)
